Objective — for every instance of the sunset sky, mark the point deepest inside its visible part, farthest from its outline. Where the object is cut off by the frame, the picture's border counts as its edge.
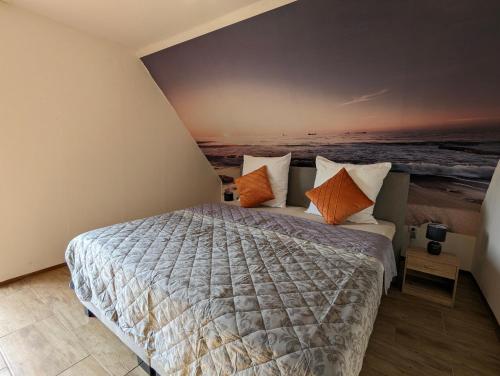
(327, 65)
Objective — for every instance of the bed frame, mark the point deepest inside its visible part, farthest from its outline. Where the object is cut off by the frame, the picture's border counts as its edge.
(390, 206)
(143, 359)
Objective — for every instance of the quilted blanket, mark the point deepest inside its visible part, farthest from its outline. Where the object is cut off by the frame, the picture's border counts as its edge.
(219, 290)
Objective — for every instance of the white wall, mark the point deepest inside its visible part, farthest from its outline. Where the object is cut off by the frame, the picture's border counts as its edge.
(87, 139)
(486, 267)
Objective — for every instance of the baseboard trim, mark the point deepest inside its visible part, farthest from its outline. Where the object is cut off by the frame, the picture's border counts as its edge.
(15, 279)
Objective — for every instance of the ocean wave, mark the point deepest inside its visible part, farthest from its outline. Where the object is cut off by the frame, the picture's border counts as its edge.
(465, 171)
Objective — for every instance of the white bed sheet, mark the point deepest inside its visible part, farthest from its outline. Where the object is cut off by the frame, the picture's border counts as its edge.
(385, 228)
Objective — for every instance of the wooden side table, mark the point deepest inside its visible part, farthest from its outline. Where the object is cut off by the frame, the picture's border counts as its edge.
(431, 277)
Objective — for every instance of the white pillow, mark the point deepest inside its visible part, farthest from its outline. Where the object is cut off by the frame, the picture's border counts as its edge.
(369, 179)
(277, 171)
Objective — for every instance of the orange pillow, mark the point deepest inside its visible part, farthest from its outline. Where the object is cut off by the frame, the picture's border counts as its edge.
(338, 198)
(254, 188)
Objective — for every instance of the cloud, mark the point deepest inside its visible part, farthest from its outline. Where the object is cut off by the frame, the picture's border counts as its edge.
(468, 119)
(365, 97)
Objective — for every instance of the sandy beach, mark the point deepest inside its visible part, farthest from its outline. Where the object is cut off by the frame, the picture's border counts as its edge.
(459, 208)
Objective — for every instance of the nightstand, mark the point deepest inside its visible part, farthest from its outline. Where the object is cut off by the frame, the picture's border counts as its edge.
(431, 277)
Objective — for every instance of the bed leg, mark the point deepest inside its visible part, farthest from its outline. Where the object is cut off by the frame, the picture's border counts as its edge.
(150, 371)
(88, 312)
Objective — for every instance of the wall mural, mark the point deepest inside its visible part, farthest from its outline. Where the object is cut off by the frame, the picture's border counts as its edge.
(414, 82)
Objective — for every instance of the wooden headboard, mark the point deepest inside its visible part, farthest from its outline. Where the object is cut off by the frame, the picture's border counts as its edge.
(391, 201)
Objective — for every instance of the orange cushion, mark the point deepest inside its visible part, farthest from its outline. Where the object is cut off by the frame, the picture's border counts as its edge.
(254, 188)
(338, 198)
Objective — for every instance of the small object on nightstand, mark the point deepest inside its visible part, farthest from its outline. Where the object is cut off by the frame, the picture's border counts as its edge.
(228, 195)
(431, 277)
(436, 232)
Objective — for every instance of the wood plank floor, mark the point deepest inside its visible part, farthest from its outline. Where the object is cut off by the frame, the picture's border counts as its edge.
(43, 332)
(415, 337)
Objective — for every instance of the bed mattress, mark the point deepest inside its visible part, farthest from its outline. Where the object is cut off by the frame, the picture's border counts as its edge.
(219, 289)
(385, 228)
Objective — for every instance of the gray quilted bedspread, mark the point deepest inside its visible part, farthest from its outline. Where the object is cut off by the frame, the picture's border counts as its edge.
(218, 289)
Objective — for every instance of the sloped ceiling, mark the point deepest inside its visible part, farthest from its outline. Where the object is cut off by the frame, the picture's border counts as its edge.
(147, 26)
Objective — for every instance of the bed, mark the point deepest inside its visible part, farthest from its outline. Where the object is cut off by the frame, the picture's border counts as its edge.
(219, 289)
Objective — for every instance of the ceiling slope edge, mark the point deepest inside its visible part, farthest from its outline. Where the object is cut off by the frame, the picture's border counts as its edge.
(218, 23)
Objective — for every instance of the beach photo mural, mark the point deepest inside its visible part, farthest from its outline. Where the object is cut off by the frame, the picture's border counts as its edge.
(416, 83)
